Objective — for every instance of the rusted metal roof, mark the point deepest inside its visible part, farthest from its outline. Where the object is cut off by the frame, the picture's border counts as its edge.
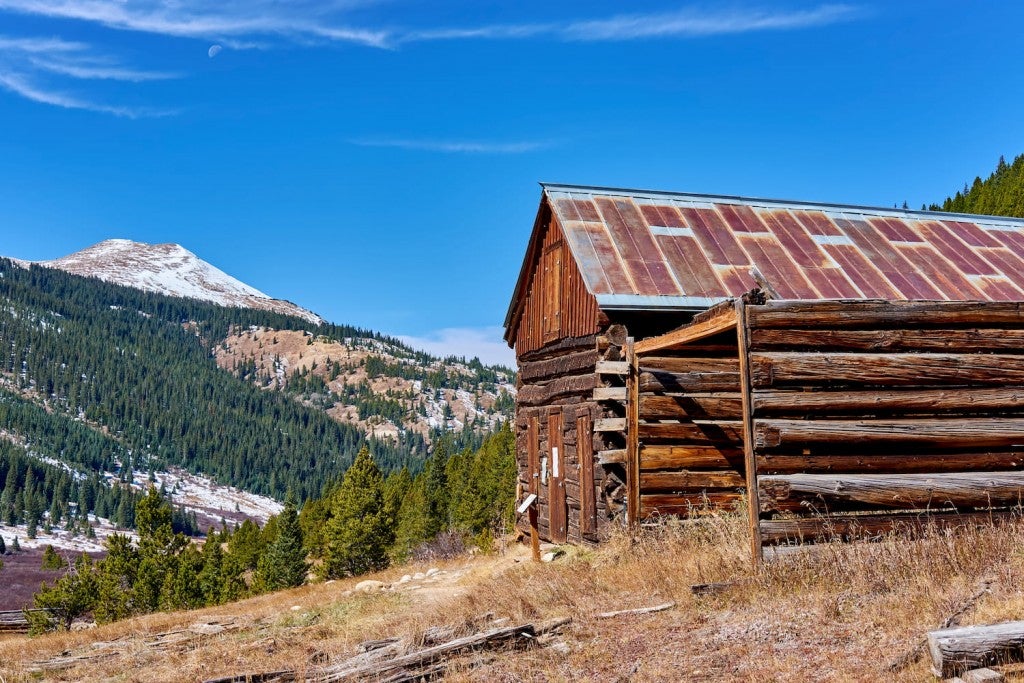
(655, 250)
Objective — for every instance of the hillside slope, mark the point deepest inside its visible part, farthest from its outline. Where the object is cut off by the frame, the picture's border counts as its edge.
(838, 613)
(118, 384)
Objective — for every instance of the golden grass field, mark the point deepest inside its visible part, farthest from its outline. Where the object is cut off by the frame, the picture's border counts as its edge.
(842, 612)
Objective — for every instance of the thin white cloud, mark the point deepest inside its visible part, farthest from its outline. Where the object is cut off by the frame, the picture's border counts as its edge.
(454, 146)
(19, 85)
(484, 343)
(306, 21)
(692, 23)
(39, 45)
(101, 72)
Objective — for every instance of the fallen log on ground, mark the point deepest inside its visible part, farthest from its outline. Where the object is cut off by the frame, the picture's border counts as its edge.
(955, 651)
(386, 660)
(411, 663)
(638, 610)
(952, 620)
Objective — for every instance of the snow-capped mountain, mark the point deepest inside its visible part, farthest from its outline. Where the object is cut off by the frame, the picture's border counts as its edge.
(169, 269)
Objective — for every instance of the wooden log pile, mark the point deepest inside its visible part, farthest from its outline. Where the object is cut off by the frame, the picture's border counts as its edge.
(868, 416)
(13, 621)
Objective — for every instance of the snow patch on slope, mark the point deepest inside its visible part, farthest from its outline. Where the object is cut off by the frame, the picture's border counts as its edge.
(169, 269)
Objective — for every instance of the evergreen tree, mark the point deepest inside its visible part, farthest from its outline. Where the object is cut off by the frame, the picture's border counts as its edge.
(3, 546)
(359, 532)
(51, 560)
(70, 597)
(115, 580)
(284, 565)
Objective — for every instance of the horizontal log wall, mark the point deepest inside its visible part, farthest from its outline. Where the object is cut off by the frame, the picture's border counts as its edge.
(874, 416)
(690, 427)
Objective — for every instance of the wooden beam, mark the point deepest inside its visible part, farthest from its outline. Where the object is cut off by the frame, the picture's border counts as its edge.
(669, 456)
(686, 481)
(684, 335)
(827, 528)
(612, 367)
(610, 394)
(611, 457)
(749, 453)
(910, 462)
(879, 401)
(633, 437)
(903, 339)
(893, 491)
(857, 313)
(886, 369)
(610, 424)
(952, 432)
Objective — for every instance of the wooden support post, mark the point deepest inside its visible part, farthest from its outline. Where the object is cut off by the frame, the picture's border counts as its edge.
(632, 437)
(750, 461)
(534, 534)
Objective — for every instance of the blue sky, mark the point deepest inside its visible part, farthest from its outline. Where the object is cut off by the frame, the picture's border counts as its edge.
(377, 161)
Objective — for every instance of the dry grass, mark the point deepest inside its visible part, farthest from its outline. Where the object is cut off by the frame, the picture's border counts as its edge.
(835, 613)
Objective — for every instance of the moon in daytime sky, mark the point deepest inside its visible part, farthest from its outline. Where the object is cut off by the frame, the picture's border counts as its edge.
(214, 51)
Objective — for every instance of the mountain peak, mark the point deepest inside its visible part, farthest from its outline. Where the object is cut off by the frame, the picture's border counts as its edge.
(169, 269)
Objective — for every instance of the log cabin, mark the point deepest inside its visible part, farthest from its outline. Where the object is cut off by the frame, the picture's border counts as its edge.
(842, 370)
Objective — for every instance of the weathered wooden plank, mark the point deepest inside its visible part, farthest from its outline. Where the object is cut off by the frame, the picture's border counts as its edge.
(957, 650)
(904, 339)
(655, 457)
(888, 369)
(610, 424)
(747, 429)
(843, 313)
(677, 364)
(612, 367)
(913, 462)
(689, 382)
(687, 504)
(633, 504)
(952, 433)
(558, 513)
(610, 394)
(611, 457)
(835, 527)
(917, 401)
(697, 433)
(723, 406)
(588, 495)
(721, 322)
(533, 454)
(894, 491)
(543, 394)
(559, 348)
(690, 480)
(571, 363)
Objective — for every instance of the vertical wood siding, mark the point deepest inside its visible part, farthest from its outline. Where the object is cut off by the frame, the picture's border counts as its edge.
(556, 303)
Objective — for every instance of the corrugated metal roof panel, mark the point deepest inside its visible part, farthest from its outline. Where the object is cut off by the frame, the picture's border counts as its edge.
(642, 249)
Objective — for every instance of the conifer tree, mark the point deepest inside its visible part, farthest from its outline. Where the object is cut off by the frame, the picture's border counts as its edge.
(51, 560)
(283, 564)
(71, 596)
(3, 546)
(115, 580)
(359, 533)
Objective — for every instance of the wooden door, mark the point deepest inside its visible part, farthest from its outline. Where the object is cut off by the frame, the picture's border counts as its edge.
(558, 504)
(585, 455)
(533, 455)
